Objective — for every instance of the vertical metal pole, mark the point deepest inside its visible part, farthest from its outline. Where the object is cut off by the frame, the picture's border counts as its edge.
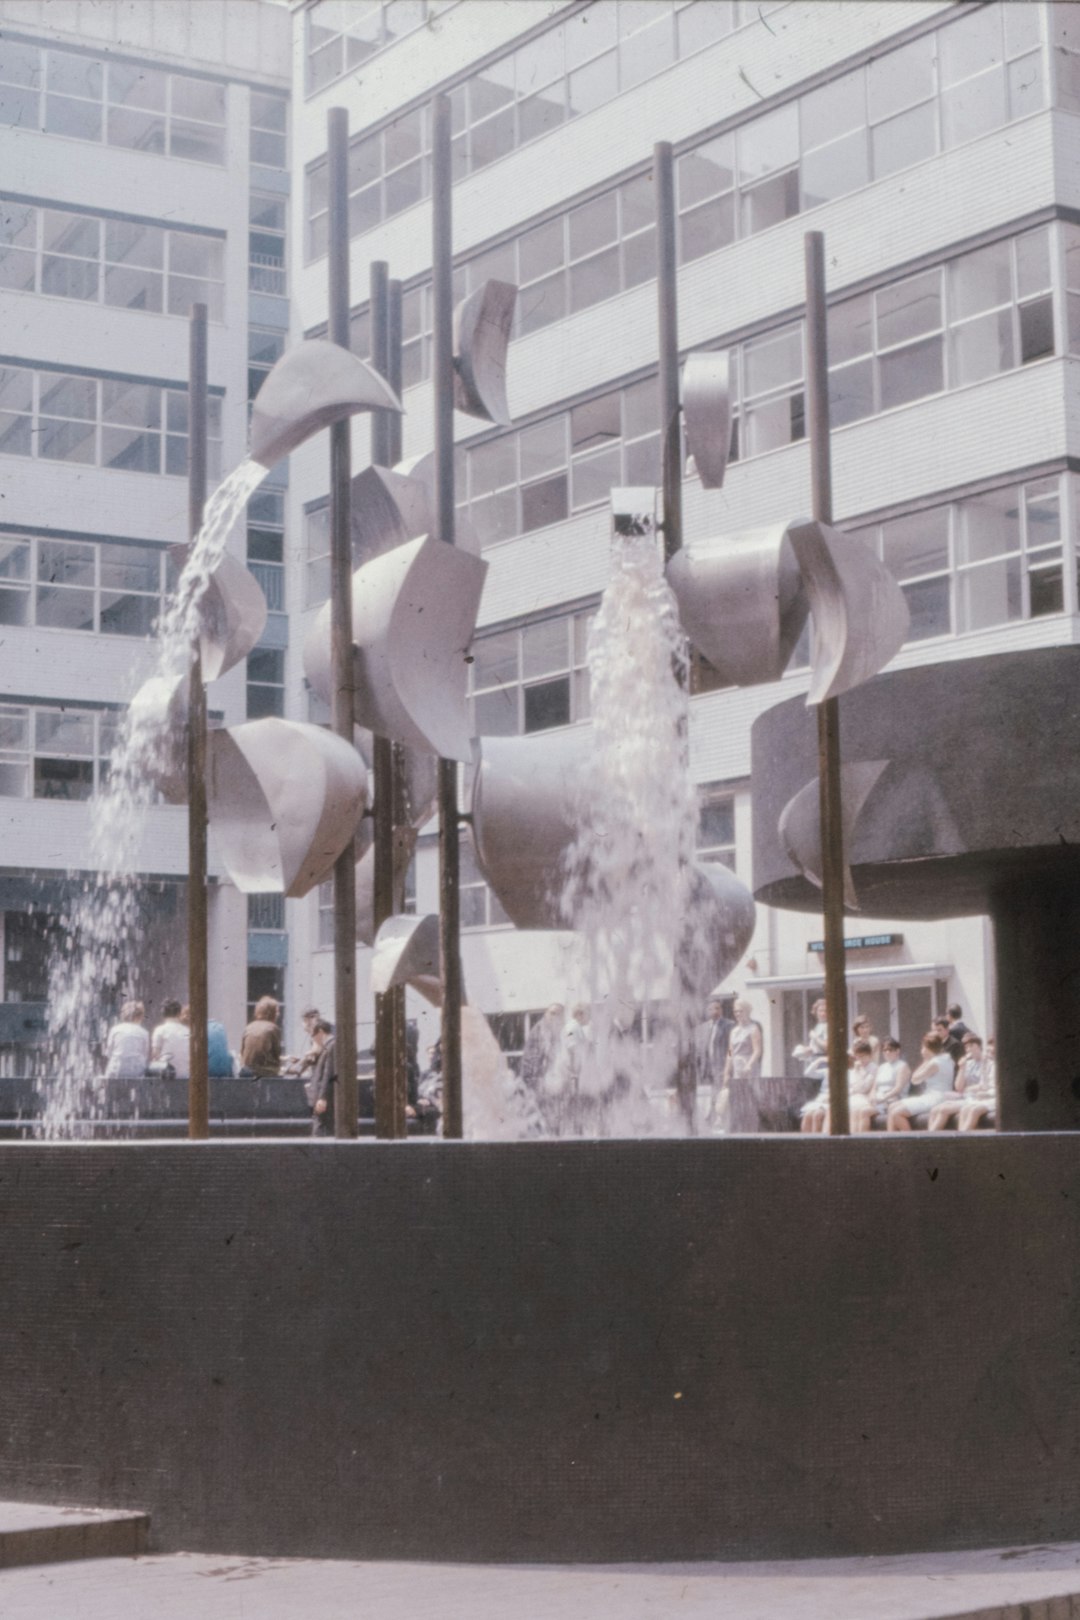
(397, 756)
(346, 1102)
(443, 377)
(198, 993)
(667, 309)
(668, 312)
(828, 713)
(383, 762)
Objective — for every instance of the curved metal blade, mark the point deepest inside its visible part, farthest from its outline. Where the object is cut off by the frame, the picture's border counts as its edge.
(406, 948)
(706, 402)
(283, 799)
(725, 913)
(741, 602)
(232, 614)
(482, 324)
(313, 384)
(160, 709)
(800, 821)
(523, 799)
(387, 508)
(404, 847)
(860, 613)
(414, 613)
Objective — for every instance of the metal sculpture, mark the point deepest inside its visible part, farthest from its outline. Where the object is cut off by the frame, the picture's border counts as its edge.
(482, 323)
(525, 822)
(800, 821)
(314, 384)
(706, 405)
(284, 799)
(232, 614)
(393, 504)
(414, 612)
(406, 951)
(860, 614)
(741, 602)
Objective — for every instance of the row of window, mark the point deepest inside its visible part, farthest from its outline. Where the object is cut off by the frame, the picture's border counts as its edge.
(268, 136)
(571, 68)
(112, 261)
(856, 129)
(90, 585)
(340, 34)
(54, 753)
(120, 103)
(980, 314)
(105, 422)
(944, 88)
(267, 219)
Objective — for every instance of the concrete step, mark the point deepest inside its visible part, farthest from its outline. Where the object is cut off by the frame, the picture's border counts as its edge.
(34, 1533)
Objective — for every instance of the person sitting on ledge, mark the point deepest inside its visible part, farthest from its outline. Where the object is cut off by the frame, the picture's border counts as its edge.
(933, 1078)
(968, 1078)
(127, 1050)
(260, 1049)
(890, 1084)
(171, 1043)
(980, 1095)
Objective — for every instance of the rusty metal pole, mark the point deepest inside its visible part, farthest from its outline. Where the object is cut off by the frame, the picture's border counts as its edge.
(828, 713)
(443, 378)
(397, 754)
(668, 316)
(383, 753)
(346, 1102)
(198, 972)
(667, 310)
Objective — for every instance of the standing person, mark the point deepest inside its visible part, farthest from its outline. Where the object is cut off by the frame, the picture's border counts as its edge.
(127, 1050)
(957, 1028)
(323, 1082)
(171, 1042)
(711, 1041)
(814, 1055)
(890, 1084)
(260, 1049)
(933, 1077)
(743, 1063)
(863, 1030)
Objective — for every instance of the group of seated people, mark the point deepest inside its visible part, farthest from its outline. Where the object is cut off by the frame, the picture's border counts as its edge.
(955, 1081)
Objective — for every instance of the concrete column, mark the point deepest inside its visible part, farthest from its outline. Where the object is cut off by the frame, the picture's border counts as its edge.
(1037, 958)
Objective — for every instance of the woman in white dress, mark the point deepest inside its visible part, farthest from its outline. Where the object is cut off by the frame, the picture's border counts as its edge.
(934, 1080)
(127, 1050)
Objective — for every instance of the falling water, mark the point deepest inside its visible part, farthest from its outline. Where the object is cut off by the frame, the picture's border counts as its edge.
(628, 889)
(94, 964)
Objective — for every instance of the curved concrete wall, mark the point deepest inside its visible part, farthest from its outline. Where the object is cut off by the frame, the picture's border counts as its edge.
(601, 1351)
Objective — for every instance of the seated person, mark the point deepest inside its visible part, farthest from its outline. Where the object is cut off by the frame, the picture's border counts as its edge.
(219, 1059)
(863, 1030)
(815, 1114)
(814, 1055)
(171, 1042)
(127, 1050)
(980, 1097)
(931, 1082)
(890, 1084)
(260, 1049)
(969, 1077)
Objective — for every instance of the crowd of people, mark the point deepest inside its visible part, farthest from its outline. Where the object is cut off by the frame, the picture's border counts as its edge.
(133, 1052)
(954, 1081)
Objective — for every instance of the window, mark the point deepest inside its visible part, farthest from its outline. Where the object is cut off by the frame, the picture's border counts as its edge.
(86, 585)
(266, 913)
(716, 825)
(265, 682)
(986, 560)
(480, 907)
(982, 313)
(532, 678)
(539, 475)
(266, 244)
(126, 263)
(562, 73)
(121, 103)
(340, 34)
(268, 140)
(324, 922)
(317, 551)
(266, 532)
(108, 422)
(54, 752)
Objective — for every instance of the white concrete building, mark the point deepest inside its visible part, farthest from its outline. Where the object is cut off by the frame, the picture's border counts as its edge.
(144, 169)
(936, 146)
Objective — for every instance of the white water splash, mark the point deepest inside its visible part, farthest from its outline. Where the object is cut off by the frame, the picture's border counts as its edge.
(95, 963)
(629, 877)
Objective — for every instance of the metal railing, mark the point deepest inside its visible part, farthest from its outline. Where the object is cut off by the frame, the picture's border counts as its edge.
(271, 578)
(266, 274)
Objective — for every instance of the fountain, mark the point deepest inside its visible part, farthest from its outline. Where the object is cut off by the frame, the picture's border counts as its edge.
(587, 1349)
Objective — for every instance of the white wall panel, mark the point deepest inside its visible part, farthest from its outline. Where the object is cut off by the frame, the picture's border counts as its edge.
(88, 175)
(250, 36)
(63, 495)
(63, 666)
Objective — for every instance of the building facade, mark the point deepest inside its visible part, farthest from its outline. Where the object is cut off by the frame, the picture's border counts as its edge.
(935, 145)
(141, 175)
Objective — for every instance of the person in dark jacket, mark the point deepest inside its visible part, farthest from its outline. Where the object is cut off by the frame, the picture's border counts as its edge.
(323, 1080)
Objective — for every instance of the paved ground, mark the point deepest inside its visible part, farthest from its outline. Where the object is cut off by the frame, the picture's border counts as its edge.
(1014, 1584)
